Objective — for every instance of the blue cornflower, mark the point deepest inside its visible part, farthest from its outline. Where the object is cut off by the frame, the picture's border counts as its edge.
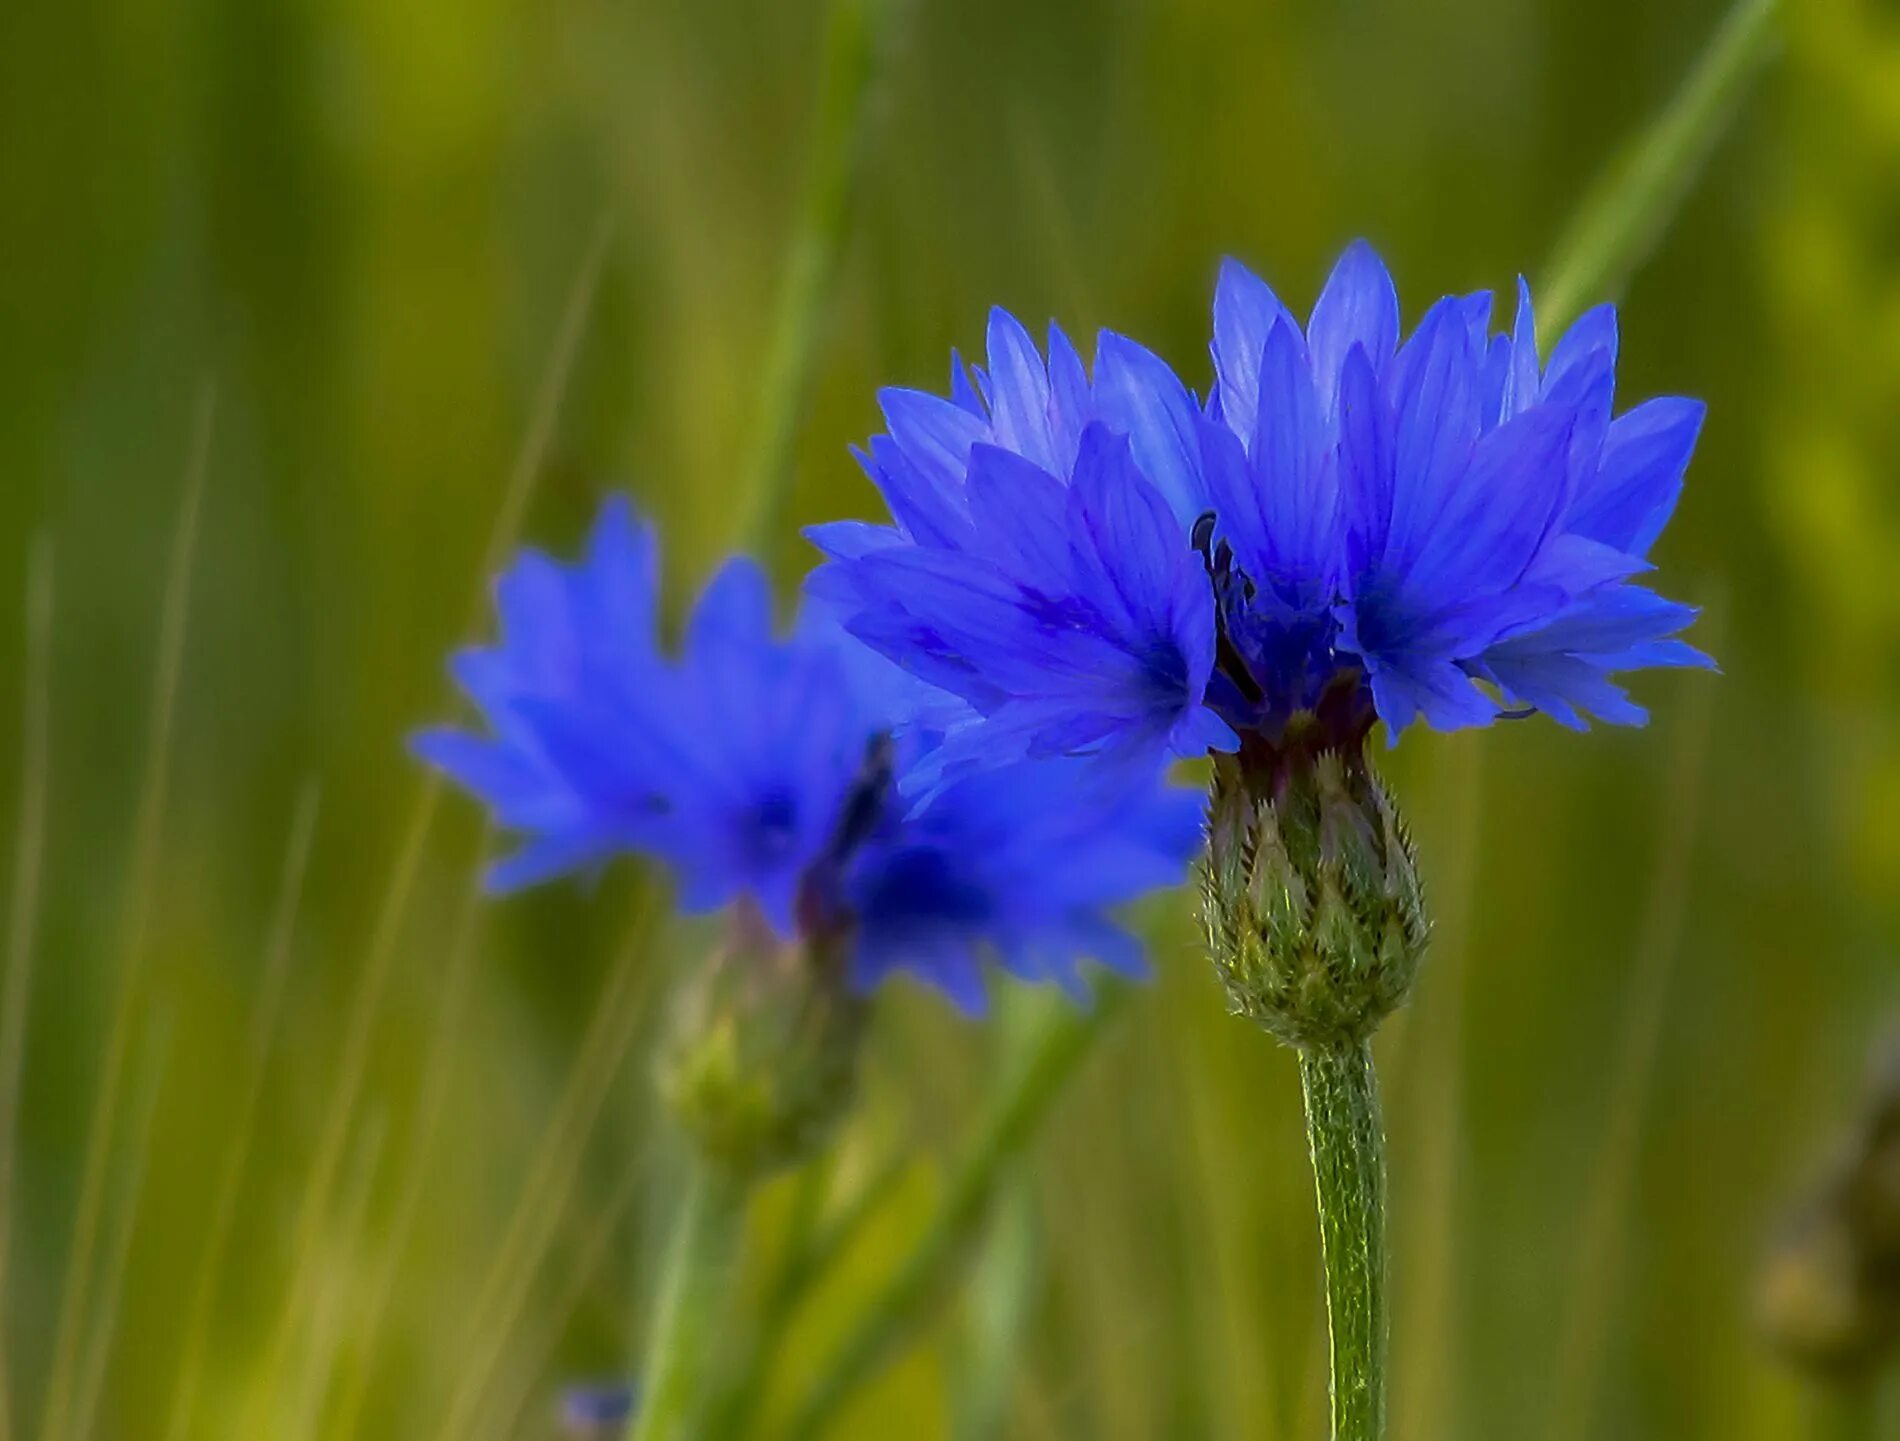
(1357, 526)
(777, 773)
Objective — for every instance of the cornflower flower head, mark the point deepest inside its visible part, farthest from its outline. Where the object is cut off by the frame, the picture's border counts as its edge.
(1356, 526)
(773, 772)
(774, 775)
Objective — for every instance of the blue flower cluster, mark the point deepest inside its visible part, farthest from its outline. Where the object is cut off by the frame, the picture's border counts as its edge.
(957, 753)
(1357, 525)
(781, 773)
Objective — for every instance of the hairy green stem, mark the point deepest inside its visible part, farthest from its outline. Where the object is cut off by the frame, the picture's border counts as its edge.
(693, 1295)
(907, 1297)
(1348, 1148)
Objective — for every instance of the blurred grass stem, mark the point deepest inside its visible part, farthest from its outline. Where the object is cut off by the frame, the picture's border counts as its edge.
(894, 1312)
(814, 1248)
(431, 1104)
(366, 1005)
(554, 1173)
(98, 1357)
(1627, 211)
(858, 37)
(244, 1133)
(174, 615)
(692, 1305)
(23, 917)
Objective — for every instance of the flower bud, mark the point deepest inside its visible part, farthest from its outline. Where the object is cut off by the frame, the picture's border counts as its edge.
(761, 1059)
(1311, 896)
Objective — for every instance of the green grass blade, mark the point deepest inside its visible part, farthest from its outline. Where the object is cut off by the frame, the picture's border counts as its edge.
(891, 1317)
(859, 37)
(174, 615)
(263, 1031)
(92, 1373)
(372, 983)
(23, 918)
(1623, 217)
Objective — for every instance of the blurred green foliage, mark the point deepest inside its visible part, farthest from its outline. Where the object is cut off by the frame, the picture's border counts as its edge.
(1662, 955)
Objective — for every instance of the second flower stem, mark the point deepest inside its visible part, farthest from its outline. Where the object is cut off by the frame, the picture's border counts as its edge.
(1347, 1140)
(699, 1263)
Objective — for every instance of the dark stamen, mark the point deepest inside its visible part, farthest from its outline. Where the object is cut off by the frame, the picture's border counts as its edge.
(1202, 536)
(864, 806)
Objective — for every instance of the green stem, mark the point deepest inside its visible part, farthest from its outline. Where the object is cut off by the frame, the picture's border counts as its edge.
(907, 1297)
(1348, 1148)
(699, 1263)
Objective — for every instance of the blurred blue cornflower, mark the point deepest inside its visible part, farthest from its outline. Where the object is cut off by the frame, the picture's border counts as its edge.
(597, 1412)
(784, 774)
(1355, 527)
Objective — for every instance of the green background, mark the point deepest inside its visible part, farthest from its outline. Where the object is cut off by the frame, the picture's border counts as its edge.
(1663, 957)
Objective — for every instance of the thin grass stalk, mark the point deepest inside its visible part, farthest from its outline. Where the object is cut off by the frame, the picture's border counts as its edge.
(431, 1104)
(552, 1177)
(1003, 1276)
(1004, 1291)
(859, 37)
(736, 1408)
(98, 1356)
(1627, 211)
(263, 1031)
(372, 983)
(1604, 1223)
(699, 1262)
(174, 616)
(327, 1319)
(23, 918)
(735, 1390)
(505, 1417)
(896, 1311)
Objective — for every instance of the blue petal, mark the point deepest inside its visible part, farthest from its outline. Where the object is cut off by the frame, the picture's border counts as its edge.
(1590, 342)
(934, 434)
(1136, 393)
(1293, 474)
(1358, 306)
(929, 508)
(1637, 482)
(1491, 519)
(1019, 392)
(1437, 424)
(1244, 311)
(1366, 477)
